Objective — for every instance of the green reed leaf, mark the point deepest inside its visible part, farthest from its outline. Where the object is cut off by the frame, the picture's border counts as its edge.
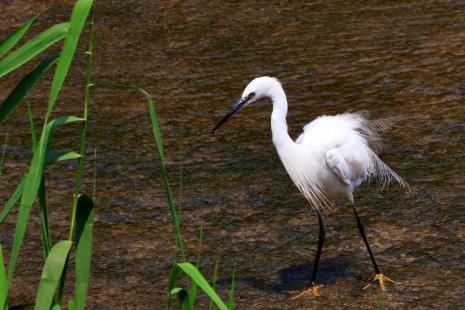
(196, 277)
(55, 156)
(2, 159)
(51, 274)
(174, 275)
(84, 235)
(24, 87)
(160, 150)
(164, 174)
(214, 278)
(78, 18)
(52, 157)
(3, 282)
(15, 36)
(183, 295)
(43, 215)
(13, 200)
(31, 186)
(193, 288)
(32, 48)
(231, 291)
(43, 212)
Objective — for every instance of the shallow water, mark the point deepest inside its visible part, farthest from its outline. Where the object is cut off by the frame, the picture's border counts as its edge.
(399, 60)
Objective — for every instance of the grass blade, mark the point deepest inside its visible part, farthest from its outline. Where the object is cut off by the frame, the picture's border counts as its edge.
(183, 295)
(51, 158)
(174, 275)
(164, 174)
(51, 274)
(94, 178)
(2, 160)
(54, 156)
(43, 215)
(32, 182)
(3, 282)
(19, 189)
(82, 140)
(78, 18)
(32, 127)
(33, 47)
(15, 36)
(214, 278)
(43, 212)
(231, 291)
(160, 150)
(13, 200)
(84, 235)
(83, 146)
(193, 288)
(198, 278)
(24, 86)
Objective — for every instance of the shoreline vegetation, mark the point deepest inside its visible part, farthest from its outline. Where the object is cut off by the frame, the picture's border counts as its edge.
(33, 186)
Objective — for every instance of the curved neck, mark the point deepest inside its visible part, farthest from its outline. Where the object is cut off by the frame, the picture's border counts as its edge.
(278, 118)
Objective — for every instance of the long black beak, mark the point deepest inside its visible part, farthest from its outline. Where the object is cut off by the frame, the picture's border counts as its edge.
(233, 110)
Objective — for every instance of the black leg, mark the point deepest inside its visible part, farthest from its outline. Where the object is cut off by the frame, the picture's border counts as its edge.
(321, 239)
(362, 232)
(313, 290)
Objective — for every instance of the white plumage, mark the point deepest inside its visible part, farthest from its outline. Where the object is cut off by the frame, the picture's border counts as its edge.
(341, 151)
(332, 156)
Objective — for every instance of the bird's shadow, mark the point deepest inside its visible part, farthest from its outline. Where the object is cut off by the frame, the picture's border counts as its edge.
(297, 277)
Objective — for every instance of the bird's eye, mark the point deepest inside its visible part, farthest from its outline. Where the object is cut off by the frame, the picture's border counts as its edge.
(251, 95)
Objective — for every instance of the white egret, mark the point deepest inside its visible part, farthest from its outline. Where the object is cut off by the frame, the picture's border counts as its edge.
(332, 157)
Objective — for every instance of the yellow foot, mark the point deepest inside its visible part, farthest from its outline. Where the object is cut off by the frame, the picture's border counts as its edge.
(313, 290)
(381, 279)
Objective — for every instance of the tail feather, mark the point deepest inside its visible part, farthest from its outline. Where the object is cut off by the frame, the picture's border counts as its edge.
(372, 131)
(384, 173)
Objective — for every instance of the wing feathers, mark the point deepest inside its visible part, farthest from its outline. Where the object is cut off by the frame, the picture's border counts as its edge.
(350, 143)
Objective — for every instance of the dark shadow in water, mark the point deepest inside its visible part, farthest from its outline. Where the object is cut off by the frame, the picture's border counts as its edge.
(297, 277)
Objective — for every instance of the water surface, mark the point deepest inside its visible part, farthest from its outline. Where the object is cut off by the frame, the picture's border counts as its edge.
(399, 60)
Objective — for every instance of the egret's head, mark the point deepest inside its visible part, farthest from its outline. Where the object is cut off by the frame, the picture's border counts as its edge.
(259, 88)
